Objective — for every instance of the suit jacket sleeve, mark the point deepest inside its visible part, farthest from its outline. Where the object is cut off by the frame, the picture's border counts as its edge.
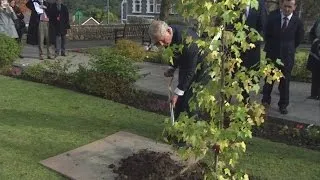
(268, 33)
(67, 18)
(315, 31)
(262, 20)
(188, 67)
(299, 34)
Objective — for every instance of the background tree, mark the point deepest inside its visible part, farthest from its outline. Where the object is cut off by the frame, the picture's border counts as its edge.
(165, 9)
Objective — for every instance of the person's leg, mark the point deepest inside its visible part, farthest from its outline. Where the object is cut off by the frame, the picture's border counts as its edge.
(63, 45)
(58, 45)
(284, 90)
(179, 107)
(317, 83)
(313, 85)
(267, 89)
(46, 32)
(41, 39)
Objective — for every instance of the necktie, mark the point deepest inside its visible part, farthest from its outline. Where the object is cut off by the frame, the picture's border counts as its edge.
(284, 24)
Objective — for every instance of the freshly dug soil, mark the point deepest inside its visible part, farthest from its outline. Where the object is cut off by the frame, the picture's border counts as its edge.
(149, 165)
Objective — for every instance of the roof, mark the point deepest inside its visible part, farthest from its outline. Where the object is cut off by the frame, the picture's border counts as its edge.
(91, 20)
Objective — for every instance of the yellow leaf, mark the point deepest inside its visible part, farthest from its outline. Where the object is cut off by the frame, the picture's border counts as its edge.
(252, 45)
(208, 5)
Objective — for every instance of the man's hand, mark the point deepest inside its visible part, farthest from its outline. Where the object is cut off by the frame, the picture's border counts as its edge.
(169, 72)
(173, 100)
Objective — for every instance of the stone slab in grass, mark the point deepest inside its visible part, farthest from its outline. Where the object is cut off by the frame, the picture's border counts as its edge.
(91, 161)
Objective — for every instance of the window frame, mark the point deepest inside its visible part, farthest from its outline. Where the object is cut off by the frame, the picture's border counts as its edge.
(134, 5)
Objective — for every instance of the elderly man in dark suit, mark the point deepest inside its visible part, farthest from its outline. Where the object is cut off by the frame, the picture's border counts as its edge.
(284, 32)
(186, 60)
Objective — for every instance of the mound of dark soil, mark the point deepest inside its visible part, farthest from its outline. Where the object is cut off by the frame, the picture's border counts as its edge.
(149, 165)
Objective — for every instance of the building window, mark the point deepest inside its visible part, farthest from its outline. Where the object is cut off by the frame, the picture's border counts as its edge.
(136, 6)
(173, 9)
(158, 6)
(150, 6)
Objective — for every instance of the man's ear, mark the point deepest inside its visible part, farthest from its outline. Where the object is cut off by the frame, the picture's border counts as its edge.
(169, 30)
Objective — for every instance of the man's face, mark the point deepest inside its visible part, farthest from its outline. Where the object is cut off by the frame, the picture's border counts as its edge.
(166, 38)
(288, 7)
(59, 1)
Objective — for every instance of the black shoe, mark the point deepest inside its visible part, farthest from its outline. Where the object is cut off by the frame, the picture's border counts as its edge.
(63, 54)
(314, 97)
(20, 56)
(283, 110)
(265, 104)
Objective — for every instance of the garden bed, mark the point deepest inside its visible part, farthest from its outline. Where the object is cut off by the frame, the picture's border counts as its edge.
(277, 130)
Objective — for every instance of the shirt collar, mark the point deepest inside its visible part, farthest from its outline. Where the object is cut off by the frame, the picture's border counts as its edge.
(289, 17)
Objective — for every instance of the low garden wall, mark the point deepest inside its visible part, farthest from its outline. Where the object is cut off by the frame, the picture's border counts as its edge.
(92, 32)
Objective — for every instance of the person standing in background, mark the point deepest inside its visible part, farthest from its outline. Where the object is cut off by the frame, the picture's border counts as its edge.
(313, 64)
(7, 16)
(256, 19)
(59, 18)
(39, 30)
(20, 24)
(284, 33)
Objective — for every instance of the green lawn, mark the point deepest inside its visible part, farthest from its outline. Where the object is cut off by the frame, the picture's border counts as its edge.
(39, 121)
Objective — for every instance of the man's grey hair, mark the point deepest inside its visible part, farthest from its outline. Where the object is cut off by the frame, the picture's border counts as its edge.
(157, 29)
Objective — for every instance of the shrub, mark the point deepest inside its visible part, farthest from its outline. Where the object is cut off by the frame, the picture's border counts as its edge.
(49, 73)
(108, 61)
(101, 83)
(130, 49)
(156, 57)
(300, 72)
(9, 50)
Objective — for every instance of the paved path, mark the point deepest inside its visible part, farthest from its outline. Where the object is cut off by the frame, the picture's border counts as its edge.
(300, 110)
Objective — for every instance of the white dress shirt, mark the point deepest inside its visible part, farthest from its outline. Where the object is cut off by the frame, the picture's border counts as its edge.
(283, 16)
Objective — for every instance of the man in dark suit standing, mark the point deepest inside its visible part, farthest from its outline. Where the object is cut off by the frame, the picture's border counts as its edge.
(284, 32)
(256, 19)
(59, 18)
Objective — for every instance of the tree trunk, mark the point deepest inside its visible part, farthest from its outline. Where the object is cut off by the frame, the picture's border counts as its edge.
(165, 9)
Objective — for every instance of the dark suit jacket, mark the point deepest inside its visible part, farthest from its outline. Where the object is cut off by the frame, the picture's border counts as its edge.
(32, 36)
(313, 33)
(59, 19)
(256, 19)
(188, 59)
(282, 45)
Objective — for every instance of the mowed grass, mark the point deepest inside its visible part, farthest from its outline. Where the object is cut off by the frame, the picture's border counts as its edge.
(39, 121)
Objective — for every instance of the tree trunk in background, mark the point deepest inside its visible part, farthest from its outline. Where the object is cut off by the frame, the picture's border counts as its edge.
(165, 9)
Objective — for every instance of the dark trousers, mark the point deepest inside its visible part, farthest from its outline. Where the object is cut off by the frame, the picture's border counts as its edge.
(283, 88)
(60, 44)
(182, 104)
(315, 86)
